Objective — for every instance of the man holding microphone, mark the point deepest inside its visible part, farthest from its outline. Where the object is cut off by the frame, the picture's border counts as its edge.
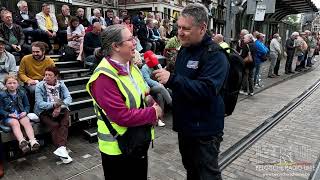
(196, 84)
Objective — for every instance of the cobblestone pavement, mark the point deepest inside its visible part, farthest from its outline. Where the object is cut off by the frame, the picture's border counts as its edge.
(287, 152)
(164, 158)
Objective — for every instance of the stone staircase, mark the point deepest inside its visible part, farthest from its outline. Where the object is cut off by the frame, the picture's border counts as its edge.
(75, 77)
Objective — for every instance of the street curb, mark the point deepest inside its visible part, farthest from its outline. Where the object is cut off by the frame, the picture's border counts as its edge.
(297, 74)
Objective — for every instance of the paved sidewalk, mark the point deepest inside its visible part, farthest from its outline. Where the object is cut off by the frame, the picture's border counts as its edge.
(287, 152)
(164, 158)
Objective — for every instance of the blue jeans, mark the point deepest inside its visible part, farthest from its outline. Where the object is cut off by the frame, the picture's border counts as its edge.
(256, 73)
(200, 156)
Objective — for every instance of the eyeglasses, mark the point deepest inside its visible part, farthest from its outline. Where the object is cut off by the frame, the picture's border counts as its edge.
(132, 39)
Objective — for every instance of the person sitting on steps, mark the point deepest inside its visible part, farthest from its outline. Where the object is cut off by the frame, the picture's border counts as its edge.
(52, 101)
(14, 107)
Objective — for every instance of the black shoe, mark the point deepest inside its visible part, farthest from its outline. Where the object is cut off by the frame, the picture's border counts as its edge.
(287, 72)
(291, 72)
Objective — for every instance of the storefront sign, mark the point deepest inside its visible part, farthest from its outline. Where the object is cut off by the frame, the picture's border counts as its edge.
(65, 1)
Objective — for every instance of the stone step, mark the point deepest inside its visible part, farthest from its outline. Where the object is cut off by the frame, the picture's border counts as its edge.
(67, 64)
(81, 103)
(76, 81)
(74, 73)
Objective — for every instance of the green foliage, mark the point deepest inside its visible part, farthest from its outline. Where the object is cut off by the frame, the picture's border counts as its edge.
(293, 20)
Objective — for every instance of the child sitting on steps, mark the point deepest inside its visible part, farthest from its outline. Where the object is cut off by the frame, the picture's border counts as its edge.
(14, 107)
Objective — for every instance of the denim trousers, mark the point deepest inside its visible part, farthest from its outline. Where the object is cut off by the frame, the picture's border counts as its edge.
(256, 73)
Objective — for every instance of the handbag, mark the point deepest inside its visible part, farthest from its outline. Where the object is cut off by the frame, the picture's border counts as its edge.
(316, 51)
(134, 142)
(248, 59)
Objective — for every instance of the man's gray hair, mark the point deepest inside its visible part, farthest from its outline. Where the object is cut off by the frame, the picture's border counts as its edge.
(80, 9)
(64, 6)
(112, 34)
(295, 34)
(197, 11)
(244, 32)
(20, 3)
(250, 36)
(95, 11)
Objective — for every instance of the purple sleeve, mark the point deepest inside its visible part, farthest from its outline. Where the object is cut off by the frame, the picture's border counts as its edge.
(107, 94)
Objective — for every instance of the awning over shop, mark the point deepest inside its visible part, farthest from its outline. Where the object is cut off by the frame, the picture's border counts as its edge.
(287, 7)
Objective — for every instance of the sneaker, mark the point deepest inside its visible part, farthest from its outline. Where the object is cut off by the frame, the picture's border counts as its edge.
(23, 145)
(61, 152)
(34, 145)
(66, 160)
(251, 94)
(161, 123)
(243, 92)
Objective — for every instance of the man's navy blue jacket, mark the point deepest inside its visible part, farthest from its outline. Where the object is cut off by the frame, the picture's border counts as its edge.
(198, 107)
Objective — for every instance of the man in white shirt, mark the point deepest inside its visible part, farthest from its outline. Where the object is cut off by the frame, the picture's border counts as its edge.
(275, 54)
(97, 15)
(27, 20)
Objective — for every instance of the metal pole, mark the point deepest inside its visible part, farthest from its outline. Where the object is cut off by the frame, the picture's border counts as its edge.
(229, 22)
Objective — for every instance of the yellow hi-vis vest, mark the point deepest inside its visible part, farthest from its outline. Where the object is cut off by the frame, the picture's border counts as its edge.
(107, 143)
(225, 45)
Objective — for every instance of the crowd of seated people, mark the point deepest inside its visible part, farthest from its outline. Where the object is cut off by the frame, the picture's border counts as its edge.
(34, 86)
(69, 30)
(12, 34)
(34, 93)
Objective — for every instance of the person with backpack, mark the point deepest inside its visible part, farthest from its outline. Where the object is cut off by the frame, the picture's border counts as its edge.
(196, 83)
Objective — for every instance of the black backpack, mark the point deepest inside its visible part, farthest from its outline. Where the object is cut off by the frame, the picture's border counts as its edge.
(233, 82)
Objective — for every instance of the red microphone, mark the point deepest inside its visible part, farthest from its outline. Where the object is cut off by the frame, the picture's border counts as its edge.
(151, 60)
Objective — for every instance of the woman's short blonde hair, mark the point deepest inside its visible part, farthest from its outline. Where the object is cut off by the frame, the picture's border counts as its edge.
(10, 76)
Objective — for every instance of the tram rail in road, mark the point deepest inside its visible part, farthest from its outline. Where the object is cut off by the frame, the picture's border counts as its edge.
(231, 154)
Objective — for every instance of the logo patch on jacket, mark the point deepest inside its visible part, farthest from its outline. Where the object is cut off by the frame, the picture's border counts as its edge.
(192, 64)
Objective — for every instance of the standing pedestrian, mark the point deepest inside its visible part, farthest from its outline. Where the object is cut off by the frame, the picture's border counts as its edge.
(248, 50)
(312, 44)
(275, 53)
(196, 83)
(290, 52)
(124, 118)
(261, 57)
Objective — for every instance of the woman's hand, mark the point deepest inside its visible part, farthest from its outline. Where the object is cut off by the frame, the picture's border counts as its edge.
(56, 112)
(13, 115)
(158, 109)
(22, 115)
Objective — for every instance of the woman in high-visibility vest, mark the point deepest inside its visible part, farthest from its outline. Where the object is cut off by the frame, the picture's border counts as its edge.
(118, 88)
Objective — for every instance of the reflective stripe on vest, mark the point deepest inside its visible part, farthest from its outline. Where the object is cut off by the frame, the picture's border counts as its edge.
(107, 143)
(106, 137)
(130, 95)
(103, 136)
